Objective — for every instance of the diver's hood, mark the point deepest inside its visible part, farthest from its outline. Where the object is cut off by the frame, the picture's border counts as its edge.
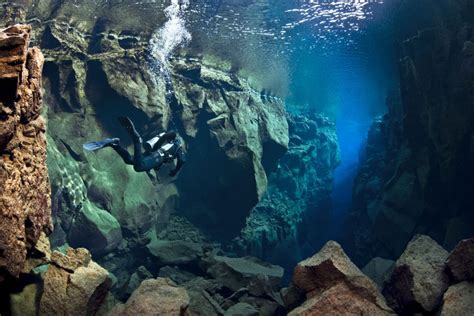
(150, 144)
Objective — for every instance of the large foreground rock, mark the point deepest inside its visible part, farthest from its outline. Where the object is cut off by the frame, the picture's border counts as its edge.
(461, 261)
(458, 300)
(25, 207)
(419, 280)
(74, 285)
(155, 297)
(334, 284)
(339, 300)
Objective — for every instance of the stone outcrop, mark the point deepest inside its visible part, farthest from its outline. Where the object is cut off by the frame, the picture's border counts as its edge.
(417, 175)
(299, 194)
(461, 261)
(155, 297)
(73, 285)
(25, 207)
(419, 279)
(334, 285)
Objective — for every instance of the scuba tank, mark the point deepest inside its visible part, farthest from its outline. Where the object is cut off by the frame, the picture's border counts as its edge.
(150, 144)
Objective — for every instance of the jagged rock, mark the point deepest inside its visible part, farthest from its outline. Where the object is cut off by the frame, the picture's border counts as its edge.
(24, 185)
(339, 300)
(458, 300)
(241, 309)
(419, 280)
(74, 285)
(461, 261)
(378, 269)
(140, 275)
(175, 252)
(155, 297)
(95, 229)
(236, 273)
(330, 273)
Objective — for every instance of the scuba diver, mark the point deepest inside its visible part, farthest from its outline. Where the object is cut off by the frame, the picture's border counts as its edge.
(160, 149)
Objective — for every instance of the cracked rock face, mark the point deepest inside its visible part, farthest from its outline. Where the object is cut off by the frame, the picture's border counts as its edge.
(299, 192)
(97, 70)
(418, 174)
(25, 207)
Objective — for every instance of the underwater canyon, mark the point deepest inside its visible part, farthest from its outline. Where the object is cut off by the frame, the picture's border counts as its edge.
(329, 159)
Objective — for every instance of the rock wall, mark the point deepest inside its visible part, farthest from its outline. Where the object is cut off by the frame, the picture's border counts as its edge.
(294, 213)
(418, 175)
(25, 207)
(97, 70)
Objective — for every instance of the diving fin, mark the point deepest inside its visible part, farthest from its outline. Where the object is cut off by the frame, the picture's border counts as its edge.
(100, 144)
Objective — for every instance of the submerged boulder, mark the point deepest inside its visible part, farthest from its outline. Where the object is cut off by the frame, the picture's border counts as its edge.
(155, 297)
(236, 273)
(461, 261)
(176, 252)
(95, 229)
(74, 285)
(340, 300)
(333, 283)
(419, 280)
(458, 300)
